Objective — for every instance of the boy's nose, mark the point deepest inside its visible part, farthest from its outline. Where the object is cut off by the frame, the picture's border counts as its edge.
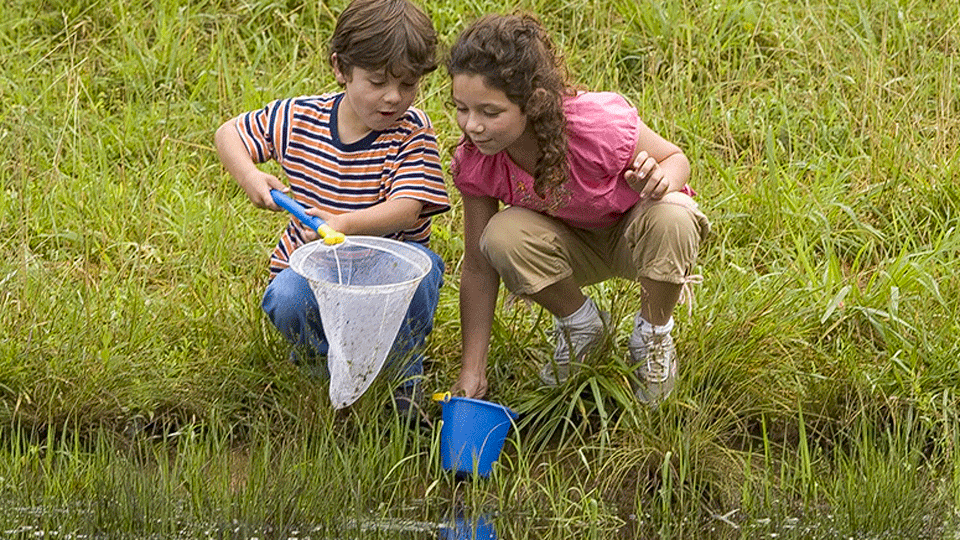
(392, 95)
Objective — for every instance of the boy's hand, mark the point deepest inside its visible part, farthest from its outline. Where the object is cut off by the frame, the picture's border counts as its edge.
(257, 186)
(646, 177)
(309, 235)
(254, 182)
(471, 385)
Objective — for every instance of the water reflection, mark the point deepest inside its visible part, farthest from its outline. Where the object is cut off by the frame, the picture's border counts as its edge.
(469, 528)
(460, 524)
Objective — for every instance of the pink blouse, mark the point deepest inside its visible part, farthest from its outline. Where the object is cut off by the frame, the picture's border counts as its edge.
(602, 130)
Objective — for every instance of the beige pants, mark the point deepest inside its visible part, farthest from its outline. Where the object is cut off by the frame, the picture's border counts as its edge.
(657, 240)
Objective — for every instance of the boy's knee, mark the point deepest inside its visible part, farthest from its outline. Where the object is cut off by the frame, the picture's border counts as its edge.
(423, 304)
(284, 298)
(437, 268)
(277, 307)
(431, 283)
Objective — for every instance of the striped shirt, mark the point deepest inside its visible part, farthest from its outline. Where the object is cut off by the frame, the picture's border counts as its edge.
(301, 135)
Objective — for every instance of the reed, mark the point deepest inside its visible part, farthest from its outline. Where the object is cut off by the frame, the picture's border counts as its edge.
(143, 393)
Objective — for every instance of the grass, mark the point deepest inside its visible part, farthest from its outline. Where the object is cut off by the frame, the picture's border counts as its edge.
(142, 391)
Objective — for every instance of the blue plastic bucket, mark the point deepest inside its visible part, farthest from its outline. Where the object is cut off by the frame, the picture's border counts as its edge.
(473, 432)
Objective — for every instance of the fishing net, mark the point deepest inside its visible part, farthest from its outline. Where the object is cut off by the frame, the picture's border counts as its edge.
(363, 287)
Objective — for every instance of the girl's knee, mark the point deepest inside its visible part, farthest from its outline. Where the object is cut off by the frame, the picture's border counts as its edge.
(665, 239)
(500, 234)
(670, 222)
(514, 234)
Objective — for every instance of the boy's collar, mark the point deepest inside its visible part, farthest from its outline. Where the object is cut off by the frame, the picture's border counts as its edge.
(335, 128)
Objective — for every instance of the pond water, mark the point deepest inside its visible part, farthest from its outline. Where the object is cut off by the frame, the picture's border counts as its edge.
(37, 522)
(77, 524)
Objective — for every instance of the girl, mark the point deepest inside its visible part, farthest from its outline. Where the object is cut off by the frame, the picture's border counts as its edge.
(591, 193)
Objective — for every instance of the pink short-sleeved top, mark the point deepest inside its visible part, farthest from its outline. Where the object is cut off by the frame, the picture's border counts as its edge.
(602, 130)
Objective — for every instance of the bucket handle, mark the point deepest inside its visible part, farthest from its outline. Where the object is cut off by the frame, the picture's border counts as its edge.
(442, 396)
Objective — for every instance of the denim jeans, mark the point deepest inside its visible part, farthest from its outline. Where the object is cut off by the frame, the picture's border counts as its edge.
(291, 306)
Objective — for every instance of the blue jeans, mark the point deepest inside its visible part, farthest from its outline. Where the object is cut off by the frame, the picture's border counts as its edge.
(291, 306)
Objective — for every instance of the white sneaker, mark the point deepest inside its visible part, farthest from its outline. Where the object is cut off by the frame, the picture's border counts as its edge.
(655, 358)
(581, 340)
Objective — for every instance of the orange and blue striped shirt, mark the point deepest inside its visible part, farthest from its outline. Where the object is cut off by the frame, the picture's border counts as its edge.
(300, 134)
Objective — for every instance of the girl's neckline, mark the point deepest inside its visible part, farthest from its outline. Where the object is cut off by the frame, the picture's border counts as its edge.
(524, 152)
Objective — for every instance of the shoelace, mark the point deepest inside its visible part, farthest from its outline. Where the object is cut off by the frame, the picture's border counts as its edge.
(658, 370)
(686, 291)
(564, 339)
(560, 338)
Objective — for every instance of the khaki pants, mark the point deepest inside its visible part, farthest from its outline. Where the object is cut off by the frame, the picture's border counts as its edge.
(657, 240)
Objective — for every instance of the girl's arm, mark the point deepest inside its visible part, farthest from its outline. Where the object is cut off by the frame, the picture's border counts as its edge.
(479, 284)
(658, 166)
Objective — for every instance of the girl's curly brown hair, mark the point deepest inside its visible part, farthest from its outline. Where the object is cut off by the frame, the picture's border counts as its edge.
(515, 55)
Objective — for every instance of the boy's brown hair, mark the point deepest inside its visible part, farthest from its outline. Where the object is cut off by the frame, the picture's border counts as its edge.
(384, 34)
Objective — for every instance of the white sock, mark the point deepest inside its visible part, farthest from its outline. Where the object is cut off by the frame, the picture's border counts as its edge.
(650, 329)
(586, 316)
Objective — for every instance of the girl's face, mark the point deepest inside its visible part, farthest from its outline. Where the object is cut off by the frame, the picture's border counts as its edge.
(486, 115)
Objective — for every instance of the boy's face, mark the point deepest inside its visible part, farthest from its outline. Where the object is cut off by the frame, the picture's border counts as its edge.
(486, 115)
(375, 100)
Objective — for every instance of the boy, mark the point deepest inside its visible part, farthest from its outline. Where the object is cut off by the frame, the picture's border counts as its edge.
(363, 160)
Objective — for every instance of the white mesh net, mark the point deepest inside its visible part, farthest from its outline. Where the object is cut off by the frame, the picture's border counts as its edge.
(363, 287)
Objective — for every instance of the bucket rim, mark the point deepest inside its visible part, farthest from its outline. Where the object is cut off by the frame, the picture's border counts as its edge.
(484, 403)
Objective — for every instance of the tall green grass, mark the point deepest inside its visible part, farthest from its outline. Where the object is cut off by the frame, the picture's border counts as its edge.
(141, 389)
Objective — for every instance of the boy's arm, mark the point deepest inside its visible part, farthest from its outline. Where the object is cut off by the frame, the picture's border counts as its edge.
(417, 188)
(235, 158)
(380, 219)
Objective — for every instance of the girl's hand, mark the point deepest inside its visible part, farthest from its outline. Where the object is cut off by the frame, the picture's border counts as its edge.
(646, 177)
(471, 385)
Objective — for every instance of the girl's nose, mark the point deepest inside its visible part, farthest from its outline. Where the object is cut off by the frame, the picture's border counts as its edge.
(473, 126)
